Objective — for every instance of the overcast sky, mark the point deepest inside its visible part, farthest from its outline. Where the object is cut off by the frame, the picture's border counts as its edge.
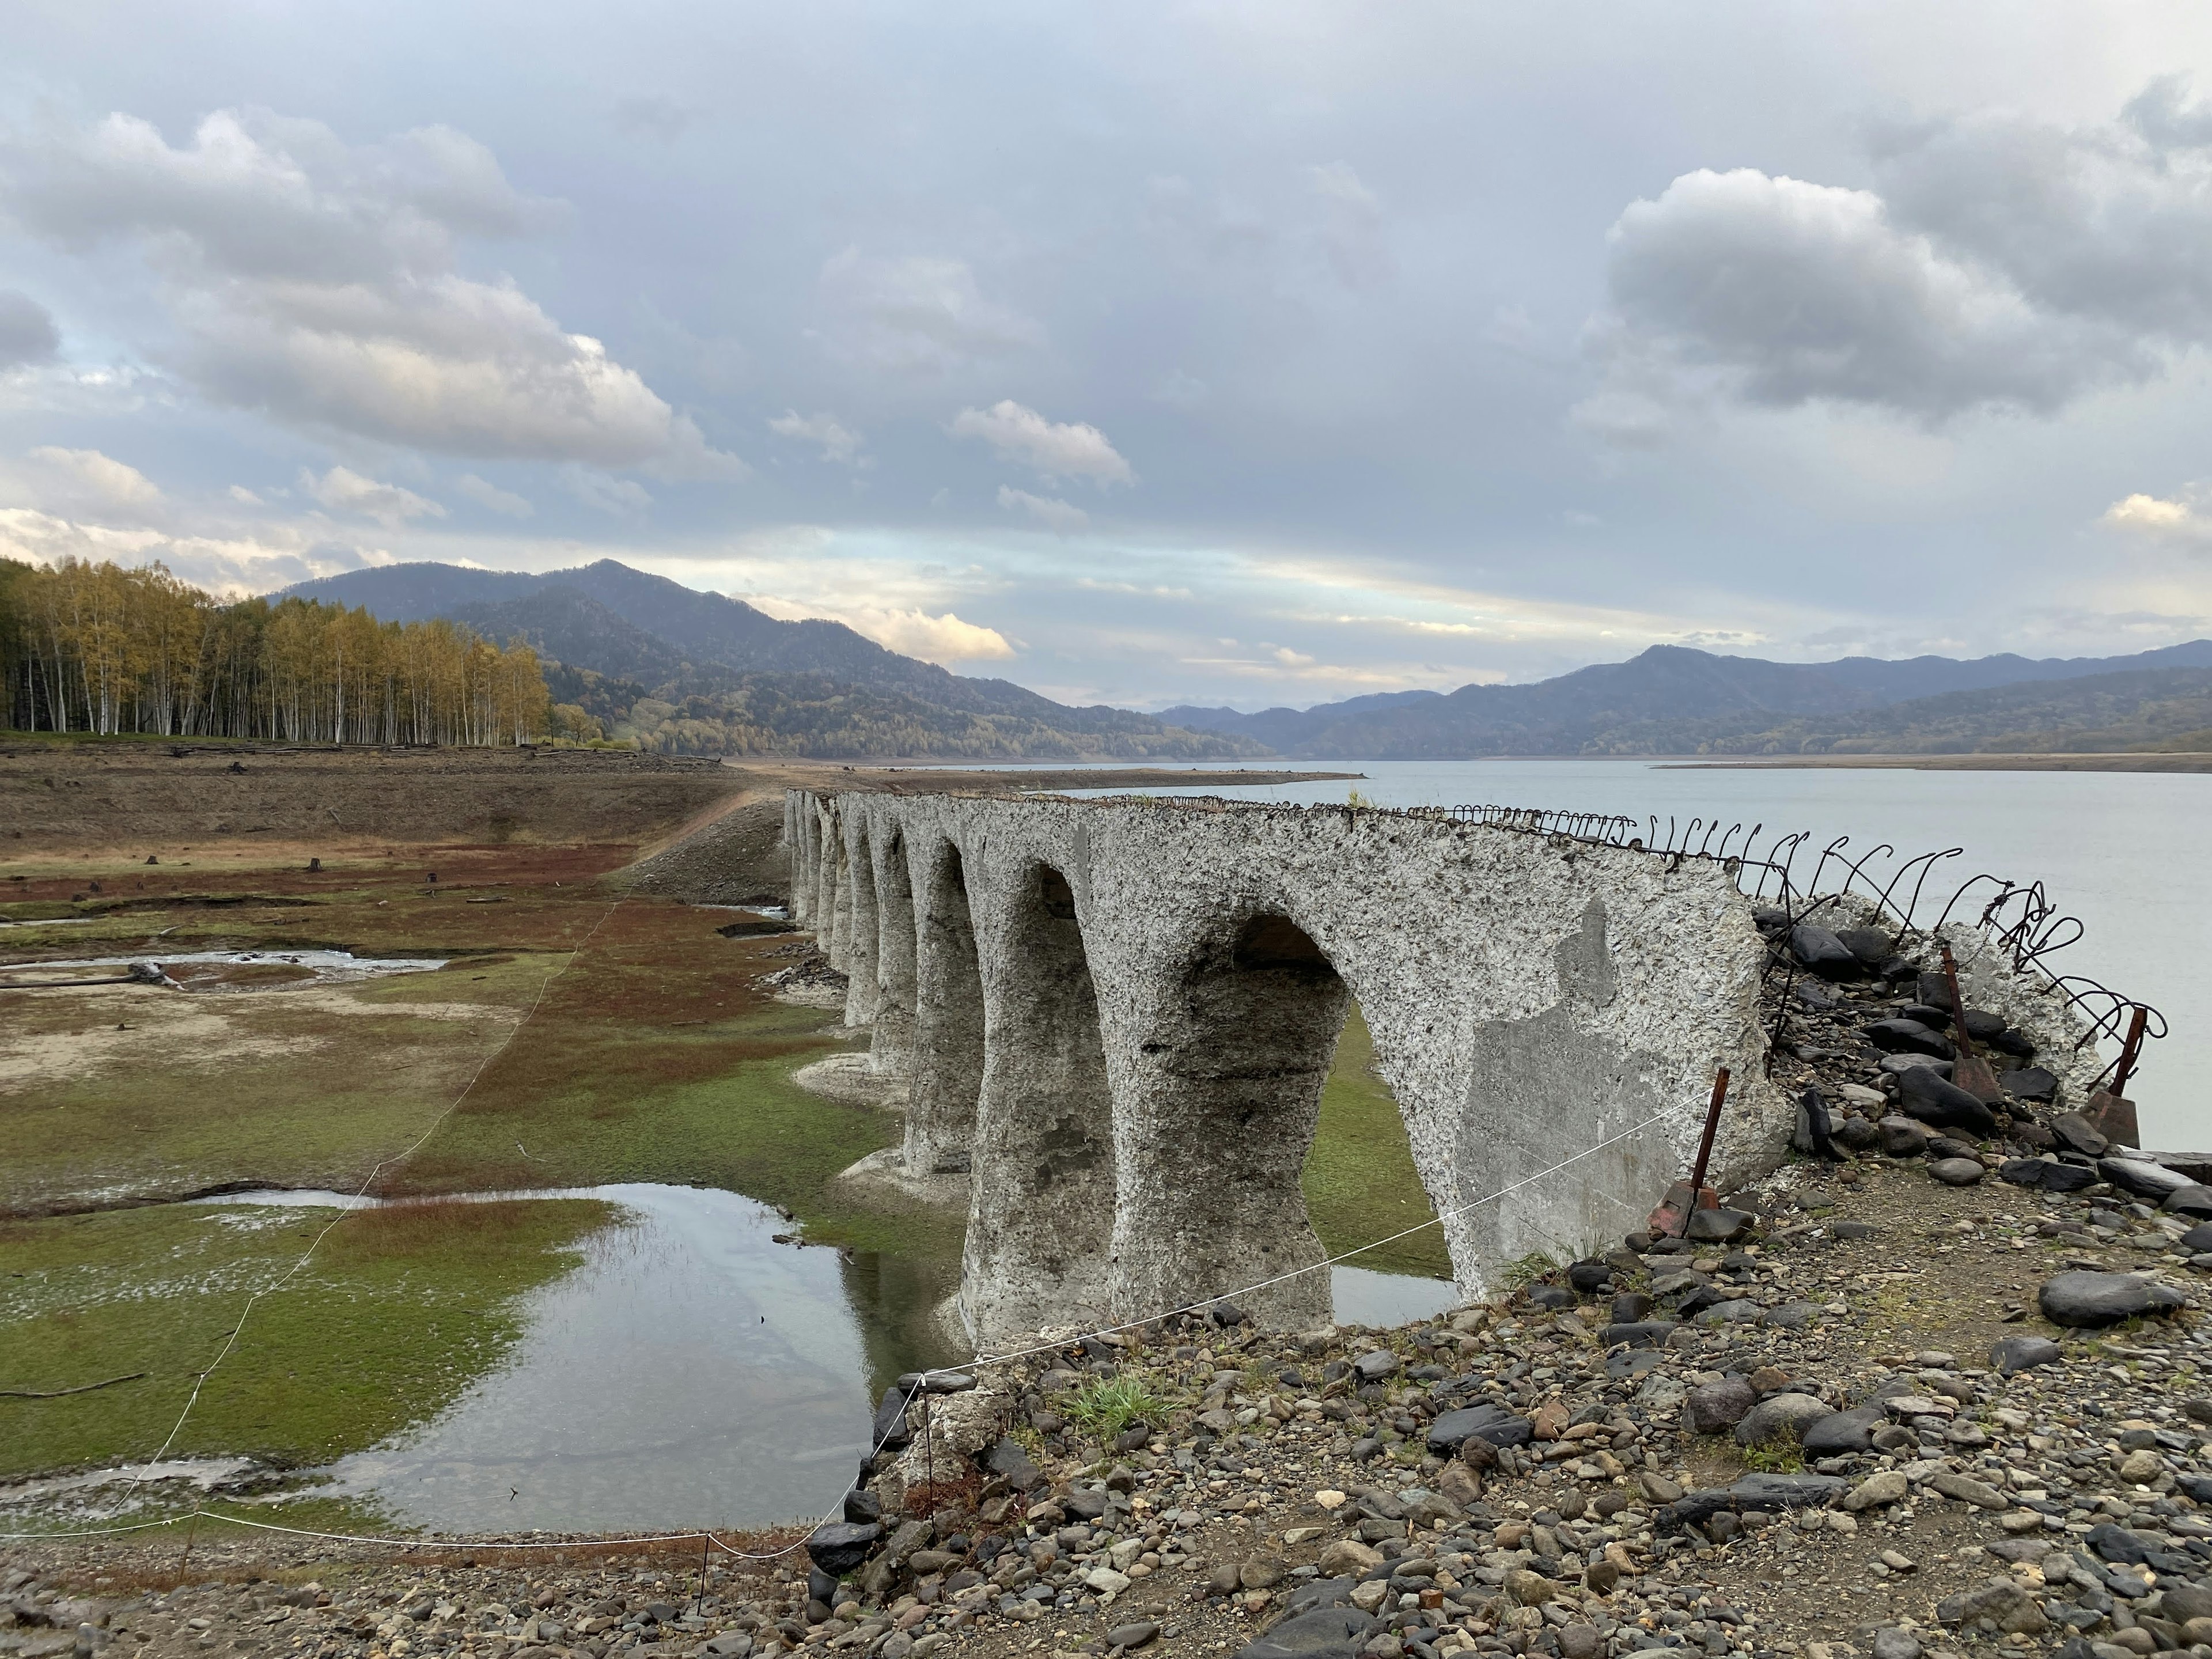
(1252, 354)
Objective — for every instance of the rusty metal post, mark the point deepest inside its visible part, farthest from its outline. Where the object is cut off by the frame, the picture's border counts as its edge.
(1705, 1146)
(2130, 1051)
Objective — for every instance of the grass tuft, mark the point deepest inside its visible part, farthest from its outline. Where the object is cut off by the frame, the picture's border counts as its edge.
(1113, 1405)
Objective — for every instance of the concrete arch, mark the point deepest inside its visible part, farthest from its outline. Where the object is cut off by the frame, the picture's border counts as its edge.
(862, 923)
(1042, 1182)
(948, 1043)
(1153, 1038)
(1220, 1092)
(890, 1049)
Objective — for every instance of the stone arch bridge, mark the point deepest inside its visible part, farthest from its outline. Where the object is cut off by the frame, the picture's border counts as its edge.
(1116, 1016)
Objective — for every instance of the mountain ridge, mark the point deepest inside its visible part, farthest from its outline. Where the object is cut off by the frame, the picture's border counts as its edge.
(674, 667)
(1666, 699)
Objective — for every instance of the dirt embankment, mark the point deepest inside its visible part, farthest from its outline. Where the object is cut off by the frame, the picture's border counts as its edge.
(87, 796)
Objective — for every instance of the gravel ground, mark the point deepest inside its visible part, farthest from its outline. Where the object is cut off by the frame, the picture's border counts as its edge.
(1802, 1435)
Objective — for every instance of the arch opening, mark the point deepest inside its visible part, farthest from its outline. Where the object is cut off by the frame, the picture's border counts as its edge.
(948, 1033)
(1040, 1216)
(891, 1048)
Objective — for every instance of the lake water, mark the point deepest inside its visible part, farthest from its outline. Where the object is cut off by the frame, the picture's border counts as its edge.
(2129, 852)
(690, 1372)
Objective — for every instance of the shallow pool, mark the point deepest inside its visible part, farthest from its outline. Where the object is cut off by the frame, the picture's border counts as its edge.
(692, 1371)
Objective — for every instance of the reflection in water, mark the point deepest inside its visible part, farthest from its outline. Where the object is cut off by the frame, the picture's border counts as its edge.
(1362, 1297)
(691, 1371)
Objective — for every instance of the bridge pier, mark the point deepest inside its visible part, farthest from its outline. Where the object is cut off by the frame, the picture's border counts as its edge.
(1119, 1016)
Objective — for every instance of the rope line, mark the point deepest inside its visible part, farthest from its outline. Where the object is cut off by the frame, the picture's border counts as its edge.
(368, 1181)
(913, 1393)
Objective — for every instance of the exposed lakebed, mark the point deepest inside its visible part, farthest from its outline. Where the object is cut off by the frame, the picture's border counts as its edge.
(690, 1370)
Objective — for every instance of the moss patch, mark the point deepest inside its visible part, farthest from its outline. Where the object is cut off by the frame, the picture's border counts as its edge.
(397, 1311)
(1359, 1180)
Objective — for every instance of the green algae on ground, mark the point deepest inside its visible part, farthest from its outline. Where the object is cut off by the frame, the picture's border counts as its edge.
(1359, 1181)
(397, 1311)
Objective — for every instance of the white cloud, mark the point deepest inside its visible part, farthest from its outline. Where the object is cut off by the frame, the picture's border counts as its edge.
(625, 497)
(484, 493)
(87, 473)
(1054, 449)
(1997, 262)
(342, 489)
(28, 334)
(244, 497)
(943, 639)
(316, 281)
(2183, 521)
(1050, 510)
(838, 441)
(917, 314)
(231, 565)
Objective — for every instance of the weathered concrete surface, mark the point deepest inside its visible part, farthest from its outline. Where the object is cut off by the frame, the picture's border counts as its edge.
(1160, 989)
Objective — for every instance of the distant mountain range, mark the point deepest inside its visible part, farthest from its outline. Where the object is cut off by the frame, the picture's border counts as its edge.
(674, 668)
(671, 667)
(1674, 701)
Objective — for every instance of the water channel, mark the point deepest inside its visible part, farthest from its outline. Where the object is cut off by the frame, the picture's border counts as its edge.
(689, 1372)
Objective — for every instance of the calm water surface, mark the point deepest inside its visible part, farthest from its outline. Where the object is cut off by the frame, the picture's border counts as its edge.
(692, 1372)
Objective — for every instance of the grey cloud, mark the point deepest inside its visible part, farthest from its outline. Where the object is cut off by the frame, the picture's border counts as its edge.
(316, 282)
(917, 313)
(652, 115)
(1997, 262)
(28, 334)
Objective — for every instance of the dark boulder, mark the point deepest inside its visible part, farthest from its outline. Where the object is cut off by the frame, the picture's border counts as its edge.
(1788, 1492)
(1591, 1276)
(1908, 1037)
(2021, 1353)
(1491, 1423)
(2014, 1042)
(1853, 1134)
(1720, 1226)
(1008, 1460)
(2029, 1082)
(1645, 1334)
(838, 1547)
(1928, 1014)
(2062, 1177)
(2024, 1171)
(1902, 1136)
(1929, 1098)
(1957, 1171)
(1869, 945)
(2088, 1300)
(863, 1508)
(1811, 1135)
(1633, 1307)
(1985, 1027)
(1821, 952)
(1934, 990)
(890, 1429)
(2197, 1241)
(2141, 1177)
(1841, 1433)
(1711, 1407)
(1324, 1633)
(2192, 1200)
(2076, 1135)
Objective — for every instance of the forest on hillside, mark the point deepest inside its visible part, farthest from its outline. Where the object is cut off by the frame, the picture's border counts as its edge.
(105, 649)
